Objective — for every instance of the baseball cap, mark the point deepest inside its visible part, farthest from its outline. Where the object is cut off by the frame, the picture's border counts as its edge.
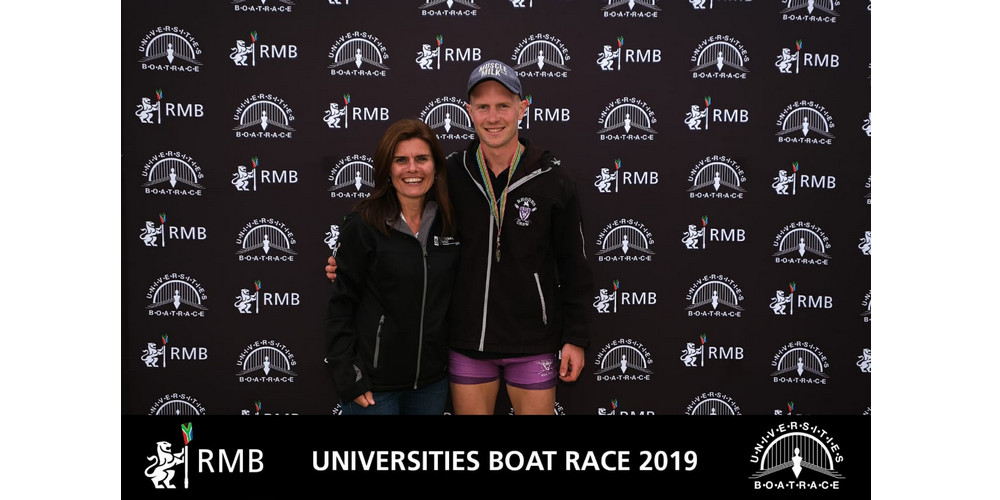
(495, 70)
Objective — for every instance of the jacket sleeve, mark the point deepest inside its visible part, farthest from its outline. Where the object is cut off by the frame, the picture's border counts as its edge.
(576, 280)
(354, 259)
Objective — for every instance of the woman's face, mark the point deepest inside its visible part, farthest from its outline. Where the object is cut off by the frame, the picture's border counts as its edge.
(412, 169)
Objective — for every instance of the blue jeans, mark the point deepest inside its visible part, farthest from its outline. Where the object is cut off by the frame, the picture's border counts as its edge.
(427, 400)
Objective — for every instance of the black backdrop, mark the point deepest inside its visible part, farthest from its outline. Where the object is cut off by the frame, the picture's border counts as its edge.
(203, 129)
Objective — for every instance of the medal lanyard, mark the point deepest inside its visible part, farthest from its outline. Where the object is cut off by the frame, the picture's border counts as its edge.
(498, 208)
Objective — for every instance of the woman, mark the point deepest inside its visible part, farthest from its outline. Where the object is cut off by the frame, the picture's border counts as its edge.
(386, 337)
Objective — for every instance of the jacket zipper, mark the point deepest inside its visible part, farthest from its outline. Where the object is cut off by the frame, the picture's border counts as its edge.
(423, 304)
(541, 297)
(378, 340)
(489, 258)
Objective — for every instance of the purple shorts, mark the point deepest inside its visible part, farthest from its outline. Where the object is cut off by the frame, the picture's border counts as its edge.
(534, 372)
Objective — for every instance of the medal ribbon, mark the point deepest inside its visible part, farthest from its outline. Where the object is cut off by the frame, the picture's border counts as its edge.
(498, 209)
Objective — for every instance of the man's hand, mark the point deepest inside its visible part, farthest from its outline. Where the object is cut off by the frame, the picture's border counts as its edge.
(331, 269)
(365, 399)
(571, 364)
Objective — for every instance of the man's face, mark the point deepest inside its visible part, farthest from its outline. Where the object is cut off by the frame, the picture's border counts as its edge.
(495, 112)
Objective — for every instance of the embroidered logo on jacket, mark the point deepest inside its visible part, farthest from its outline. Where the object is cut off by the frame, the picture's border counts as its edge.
(525, 206)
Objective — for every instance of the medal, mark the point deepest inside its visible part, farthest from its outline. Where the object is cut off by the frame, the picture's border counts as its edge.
(497, 209)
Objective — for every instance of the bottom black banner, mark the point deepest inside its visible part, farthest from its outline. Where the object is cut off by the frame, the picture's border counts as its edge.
(758, 456)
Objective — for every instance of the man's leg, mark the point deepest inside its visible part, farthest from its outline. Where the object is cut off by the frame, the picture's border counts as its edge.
(474, 399)
(474, 384)
(532, 402)
(531, 383)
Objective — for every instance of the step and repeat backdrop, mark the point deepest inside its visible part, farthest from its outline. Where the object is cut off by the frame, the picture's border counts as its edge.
(721, 149)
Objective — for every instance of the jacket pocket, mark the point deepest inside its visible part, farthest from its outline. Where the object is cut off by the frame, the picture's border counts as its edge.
(541, 299)
(378, 341)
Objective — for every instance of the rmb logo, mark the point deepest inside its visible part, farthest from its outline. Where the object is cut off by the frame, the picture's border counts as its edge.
(152, 355)
(866, 127)
(610, 58)
(170, 48)
(696, 118)
(693, 357)
(802, 118)
(334, 114)
(264, 111)
(430, 59)
(784, 305)
(796, 180)
(623, 360)
(627, 113)
(616, 409)
(606, 302)
(152, 235)
(449, 119)
(796, 456)
(250, 303)
(172, 168)
(710, 175)
(789, 63)
(150, 113)
(358, 49)
(248, 180)
(541, 55)
(720, 52)
(176, 295)
(712, 403)
(696, 238)
(246, 55)
(163, 461)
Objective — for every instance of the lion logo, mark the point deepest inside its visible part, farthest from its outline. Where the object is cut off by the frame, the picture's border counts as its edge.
(146, 109)
(425, 55)
(159, 471)
(331, 238)
(148, 234)
(690, 239)
(243, 301)
(779, 302)
(865, 361)
(332, 116)
(606, 58)
(689, 354)
(150, 355)
(241, 179)
(693, 118)
(603, 301)
(866, 243)
(781, 182)
(239, 53)
(785, 60)
(603, 182)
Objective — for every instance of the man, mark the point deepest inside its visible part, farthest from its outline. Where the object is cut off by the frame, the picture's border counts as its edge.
(523, 290)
